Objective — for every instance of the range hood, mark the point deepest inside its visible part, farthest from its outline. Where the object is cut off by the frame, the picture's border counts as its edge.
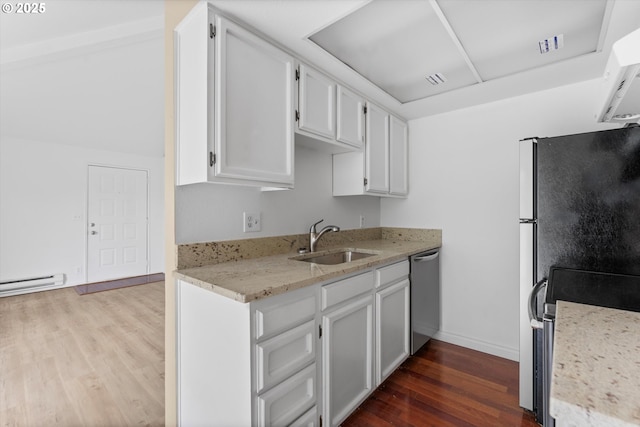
(620, 99)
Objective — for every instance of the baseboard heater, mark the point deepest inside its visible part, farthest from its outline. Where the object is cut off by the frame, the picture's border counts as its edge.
(21, 286)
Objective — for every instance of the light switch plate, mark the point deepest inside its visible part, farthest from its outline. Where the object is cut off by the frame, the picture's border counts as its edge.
(252, 221)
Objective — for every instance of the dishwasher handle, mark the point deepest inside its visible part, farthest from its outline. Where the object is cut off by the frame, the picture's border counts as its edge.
(428, 257)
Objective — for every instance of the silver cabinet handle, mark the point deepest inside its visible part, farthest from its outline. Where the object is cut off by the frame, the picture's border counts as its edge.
(93, 224)
(536, 322)
(94, 232)
(426, 257)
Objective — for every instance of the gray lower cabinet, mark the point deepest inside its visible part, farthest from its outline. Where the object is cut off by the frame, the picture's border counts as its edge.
(347, 351)
(392, 328)
(308, 357)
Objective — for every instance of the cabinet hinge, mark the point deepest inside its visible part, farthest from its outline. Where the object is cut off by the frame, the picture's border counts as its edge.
(366, 181)
(212, 158)
(364, 109)
(319, 331)
(212, 30)
(297, 74)
(297, 116)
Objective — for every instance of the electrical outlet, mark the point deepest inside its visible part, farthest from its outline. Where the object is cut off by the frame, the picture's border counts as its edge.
(361, 221)
(252, 222)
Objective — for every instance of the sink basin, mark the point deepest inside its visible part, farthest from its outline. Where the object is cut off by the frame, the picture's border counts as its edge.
(334, 258)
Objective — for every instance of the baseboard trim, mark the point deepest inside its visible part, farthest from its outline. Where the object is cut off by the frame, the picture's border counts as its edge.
(483, 346)
(91, 288)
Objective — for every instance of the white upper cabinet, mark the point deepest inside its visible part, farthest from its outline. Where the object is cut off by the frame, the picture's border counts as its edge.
(240, 111)
(350, 113)
(398, 157)
(381, 168)
(254, 107)
(376, 150)
(194, 64)
(317, 117)
(316, 103)
(235, 104)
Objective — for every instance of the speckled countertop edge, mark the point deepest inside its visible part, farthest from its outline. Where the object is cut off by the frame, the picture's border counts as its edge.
(251, 279)
(596, 366)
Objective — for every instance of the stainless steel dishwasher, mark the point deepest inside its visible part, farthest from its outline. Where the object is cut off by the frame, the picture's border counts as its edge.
(425, 298)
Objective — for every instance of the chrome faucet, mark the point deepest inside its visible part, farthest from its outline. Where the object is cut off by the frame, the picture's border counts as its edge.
(314, 236)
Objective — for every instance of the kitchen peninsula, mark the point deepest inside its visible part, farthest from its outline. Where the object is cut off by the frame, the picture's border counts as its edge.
(596, 367)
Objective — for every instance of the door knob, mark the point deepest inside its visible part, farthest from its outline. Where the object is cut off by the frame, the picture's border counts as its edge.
(93, 224)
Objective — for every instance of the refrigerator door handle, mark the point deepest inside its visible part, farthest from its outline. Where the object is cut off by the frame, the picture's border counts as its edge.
(536, 322)
(528, 221)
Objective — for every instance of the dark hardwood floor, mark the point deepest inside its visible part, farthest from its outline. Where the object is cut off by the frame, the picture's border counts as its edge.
(446, 385)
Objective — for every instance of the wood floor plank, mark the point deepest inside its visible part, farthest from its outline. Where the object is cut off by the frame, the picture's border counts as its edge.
(90, 360)
(415, 410)
(447, 385)
(456, 403)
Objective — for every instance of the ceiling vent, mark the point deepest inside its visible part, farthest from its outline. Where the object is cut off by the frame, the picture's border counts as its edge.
(552, 43)
(436, 79)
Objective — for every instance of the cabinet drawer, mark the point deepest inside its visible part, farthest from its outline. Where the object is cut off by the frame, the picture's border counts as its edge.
(287, 401)
(392, 273)
(284, 312)
(342, 290)
(309, 419)
(279, 357)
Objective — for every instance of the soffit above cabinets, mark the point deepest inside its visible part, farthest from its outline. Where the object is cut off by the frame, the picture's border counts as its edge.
(398, 44)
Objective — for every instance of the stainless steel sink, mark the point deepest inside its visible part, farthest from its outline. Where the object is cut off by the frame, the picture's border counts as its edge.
(333, 258)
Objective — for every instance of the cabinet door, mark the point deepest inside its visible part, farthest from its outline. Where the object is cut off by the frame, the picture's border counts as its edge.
(398, 157)
(347, 358)
(194, 58)
(253, 107)
(376, 150)
(350, 110)
(392, 328)
(316, 103)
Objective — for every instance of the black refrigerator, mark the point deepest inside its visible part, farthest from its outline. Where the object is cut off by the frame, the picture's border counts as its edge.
(579, 209)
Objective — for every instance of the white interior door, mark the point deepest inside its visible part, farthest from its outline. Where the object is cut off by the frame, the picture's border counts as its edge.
(117, 223)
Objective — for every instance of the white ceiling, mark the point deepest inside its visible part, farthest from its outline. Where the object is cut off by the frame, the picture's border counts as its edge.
(90, 72)
(480, 26)
(87, 73)
(69, 17)
(397, 44)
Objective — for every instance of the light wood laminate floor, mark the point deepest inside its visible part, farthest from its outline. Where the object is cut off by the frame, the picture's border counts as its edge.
(90, 360)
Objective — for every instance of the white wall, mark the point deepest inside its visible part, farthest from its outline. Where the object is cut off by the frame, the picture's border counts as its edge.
(209, 212)
(43, 192)
(464, 179)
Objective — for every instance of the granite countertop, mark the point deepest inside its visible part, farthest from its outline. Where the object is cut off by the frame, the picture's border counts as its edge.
(246, 280)
(596, 366)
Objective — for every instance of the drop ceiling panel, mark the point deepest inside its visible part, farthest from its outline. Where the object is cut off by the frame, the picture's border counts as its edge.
(396, 45)
(501, 37)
